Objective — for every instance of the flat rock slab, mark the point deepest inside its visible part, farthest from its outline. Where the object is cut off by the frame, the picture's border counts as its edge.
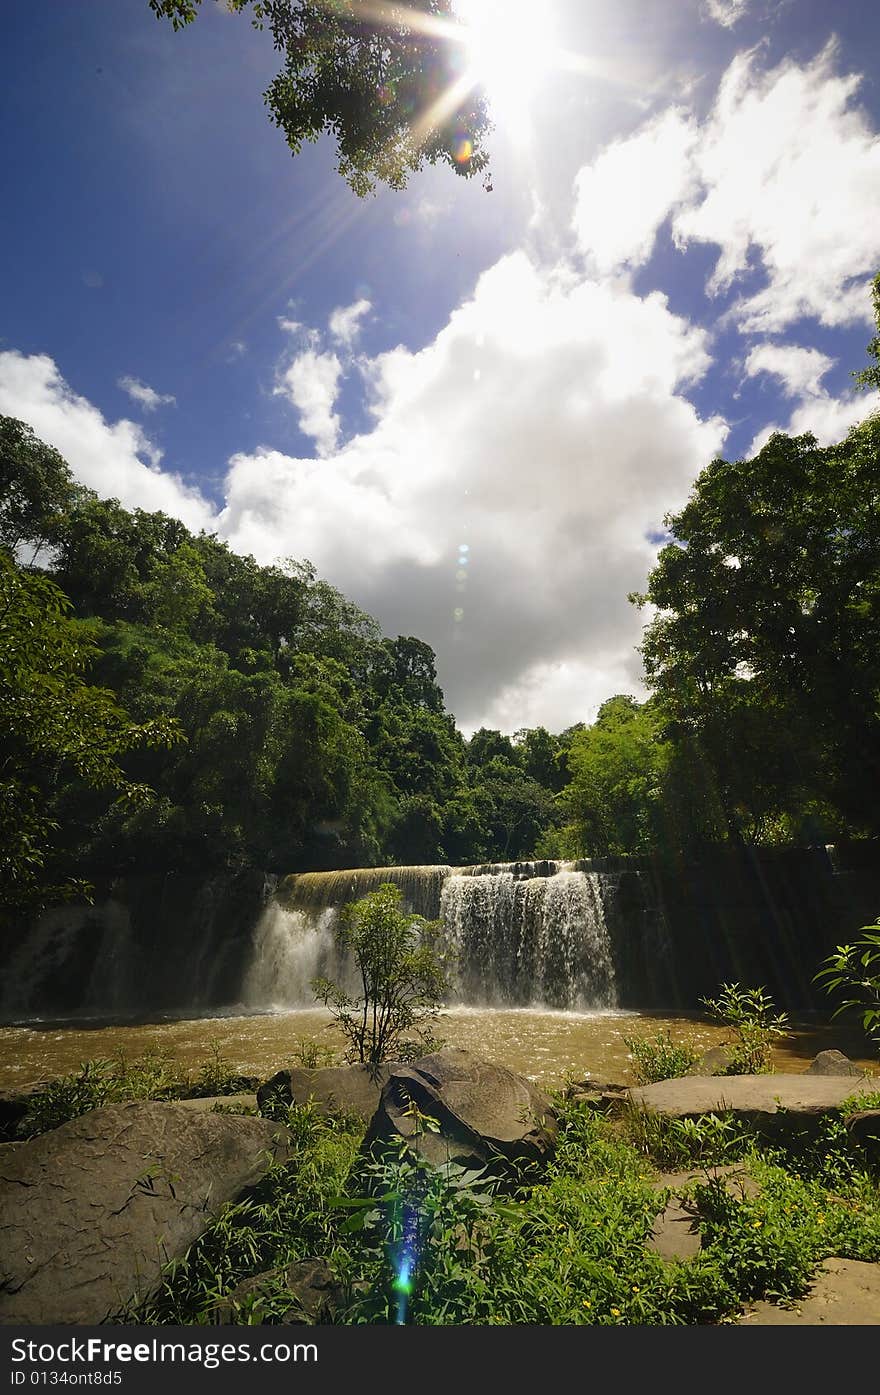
(91, 1212)
(675, 1234)
(737, 1182)
(753, 1098)
(232, 1103)
(846, 1293)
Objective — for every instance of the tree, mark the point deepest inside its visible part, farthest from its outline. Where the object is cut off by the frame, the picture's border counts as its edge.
(381, 78)
(35, 486)
(53, 722)
(401, 975)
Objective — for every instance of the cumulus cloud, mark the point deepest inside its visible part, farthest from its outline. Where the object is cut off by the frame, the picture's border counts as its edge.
(116, 459)
(799, 370)
(145, 396)
(727, 13)
(628, 192)
(790, 172)
(311, 384)
(345, 322)
(783, 176)
(828, 418)
(528, 434)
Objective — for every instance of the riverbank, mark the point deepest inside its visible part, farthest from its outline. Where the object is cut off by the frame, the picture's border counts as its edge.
(546, 1045)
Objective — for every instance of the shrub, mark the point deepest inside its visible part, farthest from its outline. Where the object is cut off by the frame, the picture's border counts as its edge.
(660, 1058)
(402, 979)
(750, 1011)
(855, 970)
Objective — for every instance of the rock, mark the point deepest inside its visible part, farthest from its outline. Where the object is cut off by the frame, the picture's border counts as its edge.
(596, 1094)
(846, 1293)
(332, 1089)
(737, 1182)
(675, 1234)
(864, 1130)
(716, 1061)
(229, 1104)
(91, 1212)
(486, 1113)
(310, 1285)
(831, 1063)
(13, 1107)
(777, 1105)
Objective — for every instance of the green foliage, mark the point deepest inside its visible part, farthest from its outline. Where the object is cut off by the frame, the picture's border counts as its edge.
(765, 648)
(870, 377)
(402, 978)
(374, 80)
(55, 724)
(35, 486)
(660, 1058)
(709, 1139)
(153, 1076)
(854, 969)
(751, 1013)
(290, 1215)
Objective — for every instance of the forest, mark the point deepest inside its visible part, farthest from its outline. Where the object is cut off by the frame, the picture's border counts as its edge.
(171, 704)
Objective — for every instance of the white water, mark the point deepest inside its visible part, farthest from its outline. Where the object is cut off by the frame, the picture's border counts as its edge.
(291, 948)
(517, 939)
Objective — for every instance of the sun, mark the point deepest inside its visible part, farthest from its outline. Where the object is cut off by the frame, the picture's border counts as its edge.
(510, 50)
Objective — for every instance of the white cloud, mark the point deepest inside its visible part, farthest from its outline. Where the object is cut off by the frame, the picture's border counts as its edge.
(727, 13)
(345, 322)
(790, 169)
(529, 431)
(783, 176)
(630, 190)
(799, 370)
(828, 418)
(311, 384)
(117, 459)
(145, 396)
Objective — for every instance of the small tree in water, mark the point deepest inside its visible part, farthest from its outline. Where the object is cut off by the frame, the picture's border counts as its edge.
(402, 975)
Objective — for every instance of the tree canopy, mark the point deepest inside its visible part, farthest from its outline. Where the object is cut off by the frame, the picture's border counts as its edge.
(383, 79)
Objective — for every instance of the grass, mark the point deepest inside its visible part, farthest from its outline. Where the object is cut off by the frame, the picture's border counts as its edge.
(444, 1247)
(153, 1076)
(566, 1247)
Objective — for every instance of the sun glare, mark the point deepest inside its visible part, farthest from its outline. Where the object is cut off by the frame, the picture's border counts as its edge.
(511, 49)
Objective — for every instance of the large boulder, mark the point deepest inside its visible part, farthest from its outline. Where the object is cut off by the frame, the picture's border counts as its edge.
(91, 1212)
(332, 1089)
(486, 1114)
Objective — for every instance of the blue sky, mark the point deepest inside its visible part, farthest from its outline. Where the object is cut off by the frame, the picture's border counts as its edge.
(674, 259)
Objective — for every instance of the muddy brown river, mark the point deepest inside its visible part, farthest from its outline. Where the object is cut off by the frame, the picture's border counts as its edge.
(548, 1046)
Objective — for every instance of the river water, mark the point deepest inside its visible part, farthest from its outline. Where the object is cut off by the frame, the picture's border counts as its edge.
(546, 1045)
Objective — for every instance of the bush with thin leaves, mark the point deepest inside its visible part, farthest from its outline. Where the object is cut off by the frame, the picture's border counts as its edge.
(854, 969)
(401, 974)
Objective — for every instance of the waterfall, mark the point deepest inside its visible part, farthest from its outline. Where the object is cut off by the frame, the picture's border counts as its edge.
(529, 939)
(77, 958)
(291, 947)
(520, 933)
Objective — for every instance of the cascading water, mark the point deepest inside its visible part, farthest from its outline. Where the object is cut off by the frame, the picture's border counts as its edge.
(291, 948)
(520, 933)
(529, 939)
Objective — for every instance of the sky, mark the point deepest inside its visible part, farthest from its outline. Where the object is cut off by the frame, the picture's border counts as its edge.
(470, 410)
